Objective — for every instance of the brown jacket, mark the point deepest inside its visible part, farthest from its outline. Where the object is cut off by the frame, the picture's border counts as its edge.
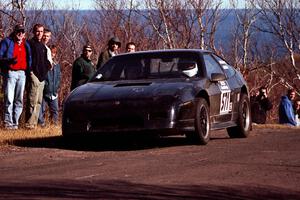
(103, 58)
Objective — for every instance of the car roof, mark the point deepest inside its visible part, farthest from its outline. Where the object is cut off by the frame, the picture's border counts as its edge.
(168, 51)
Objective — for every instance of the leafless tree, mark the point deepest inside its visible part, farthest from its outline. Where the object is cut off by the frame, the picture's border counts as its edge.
(196, 26)
(160, 16)
(118, 18)
(207, 15)
(14, 10)
(246, 17)
(281, 20)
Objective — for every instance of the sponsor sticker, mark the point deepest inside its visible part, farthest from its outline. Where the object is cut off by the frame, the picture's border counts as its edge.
(225, 104)
(223, 64)
(223, 85)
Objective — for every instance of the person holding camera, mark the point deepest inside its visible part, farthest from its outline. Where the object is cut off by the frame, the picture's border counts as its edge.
(260, 104)
(15, 54)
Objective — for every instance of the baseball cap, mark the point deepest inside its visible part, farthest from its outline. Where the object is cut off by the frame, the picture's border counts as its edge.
(87, 47)
(19, 27)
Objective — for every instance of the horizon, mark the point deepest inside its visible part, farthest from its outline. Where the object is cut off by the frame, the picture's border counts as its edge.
(90, 4)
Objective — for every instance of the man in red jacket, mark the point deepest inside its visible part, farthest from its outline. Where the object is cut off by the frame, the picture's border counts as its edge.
(16, 51)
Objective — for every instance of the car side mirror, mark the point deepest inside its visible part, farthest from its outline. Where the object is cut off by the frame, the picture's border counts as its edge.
(215, 77)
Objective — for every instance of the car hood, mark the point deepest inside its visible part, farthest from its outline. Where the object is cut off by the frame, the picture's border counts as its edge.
(112, 91)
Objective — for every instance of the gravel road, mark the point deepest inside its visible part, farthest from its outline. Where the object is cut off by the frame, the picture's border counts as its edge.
(266, 165)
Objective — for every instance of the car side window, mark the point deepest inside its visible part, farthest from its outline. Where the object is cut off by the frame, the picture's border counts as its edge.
(212, 66)
(229, 71)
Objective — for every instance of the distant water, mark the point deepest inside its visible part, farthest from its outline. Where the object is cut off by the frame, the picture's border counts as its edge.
(223, 37)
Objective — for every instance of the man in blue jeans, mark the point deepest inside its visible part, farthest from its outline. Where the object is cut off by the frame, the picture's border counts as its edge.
(16, 50)
(50, 95)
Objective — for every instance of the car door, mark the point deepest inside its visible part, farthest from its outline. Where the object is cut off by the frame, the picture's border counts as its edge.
(220, 94)
(234, 82)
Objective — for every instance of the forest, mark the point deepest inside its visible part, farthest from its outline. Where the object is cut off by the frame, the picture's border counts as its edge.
(260, 38)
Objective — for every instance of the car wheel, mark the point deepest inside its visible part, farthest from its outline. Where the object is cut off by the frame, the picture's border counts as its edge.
(202, 124)
(243, 127)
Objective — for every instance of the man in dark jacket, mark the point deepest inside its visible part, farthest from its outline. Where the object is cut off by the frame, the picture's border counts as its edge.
(50, 96)
(40, 67)
(286, 111)
(15, 54)
(260, 104)
(114, 45)
(83, 68)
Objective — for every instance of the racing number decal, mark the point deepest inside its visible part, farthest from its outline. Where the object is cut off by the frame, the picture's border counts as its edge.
(225, 106)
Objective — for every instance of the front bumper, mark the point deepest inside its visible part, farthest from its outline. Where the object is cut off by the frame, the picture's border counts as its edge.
(169, 120)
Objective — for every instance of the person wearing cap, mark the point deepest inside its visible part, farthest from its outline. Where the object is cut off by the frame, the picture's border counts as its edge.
(113, 47)
(83, 69)
(36, 79)
(15, 50)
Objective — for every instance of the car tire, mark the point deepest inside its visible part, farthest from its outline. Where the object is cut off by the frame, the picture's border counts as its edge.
(201, 135)
(243, 127)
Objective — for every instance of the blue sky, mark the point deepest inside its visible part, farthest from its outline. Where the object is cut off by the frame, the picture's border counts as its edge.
(82, 4)
(89, 4)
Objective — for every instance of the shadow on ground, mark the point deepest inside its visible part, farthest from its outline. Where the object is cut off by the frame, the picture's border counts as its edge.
(113, 142)
(127, 190)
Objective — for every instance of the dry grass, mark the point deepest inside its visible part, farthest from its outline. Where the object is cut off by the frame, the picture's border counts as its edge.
(273, 126)
(13, 137)
(7, 137)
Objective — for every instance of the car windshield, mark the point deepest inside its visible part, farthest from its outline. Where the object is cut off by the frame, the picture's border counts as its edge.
(146, 66)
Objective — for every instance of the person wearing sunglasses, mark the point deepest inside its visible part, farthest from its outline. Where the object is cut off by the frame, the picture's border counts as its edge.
(15, 50)
(83, 68)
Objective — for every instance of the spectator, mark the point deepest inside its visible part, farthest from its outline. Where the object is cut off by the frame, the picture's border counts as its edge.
(114, 45)
(40, 67)
(133, 69)
(254, 95)
(16, 53)
(260, 104)
(50, 95)
(130, 47)
(297, 111)
(286, 111)
(45, 40)
(83, 68)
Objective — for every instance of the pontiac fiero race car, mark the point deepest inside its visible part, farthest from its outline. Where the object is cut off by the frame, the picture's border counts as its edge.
(177, 91)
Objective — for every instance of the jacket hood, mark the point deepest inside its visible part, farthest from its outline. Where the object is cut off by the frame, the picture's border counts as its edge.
(285, 98)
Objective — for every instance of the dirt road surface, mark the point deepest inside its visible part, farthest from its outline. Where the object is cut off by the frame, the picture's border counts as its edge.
(266, 165)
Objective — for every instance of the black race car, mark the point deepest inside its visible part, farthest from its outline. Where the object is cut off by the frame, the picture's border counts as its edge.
(175, 91)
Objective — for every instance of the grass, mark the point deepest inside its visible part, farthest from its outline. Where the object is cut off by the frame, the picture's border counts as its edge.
(273, 126)
(7, 137)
